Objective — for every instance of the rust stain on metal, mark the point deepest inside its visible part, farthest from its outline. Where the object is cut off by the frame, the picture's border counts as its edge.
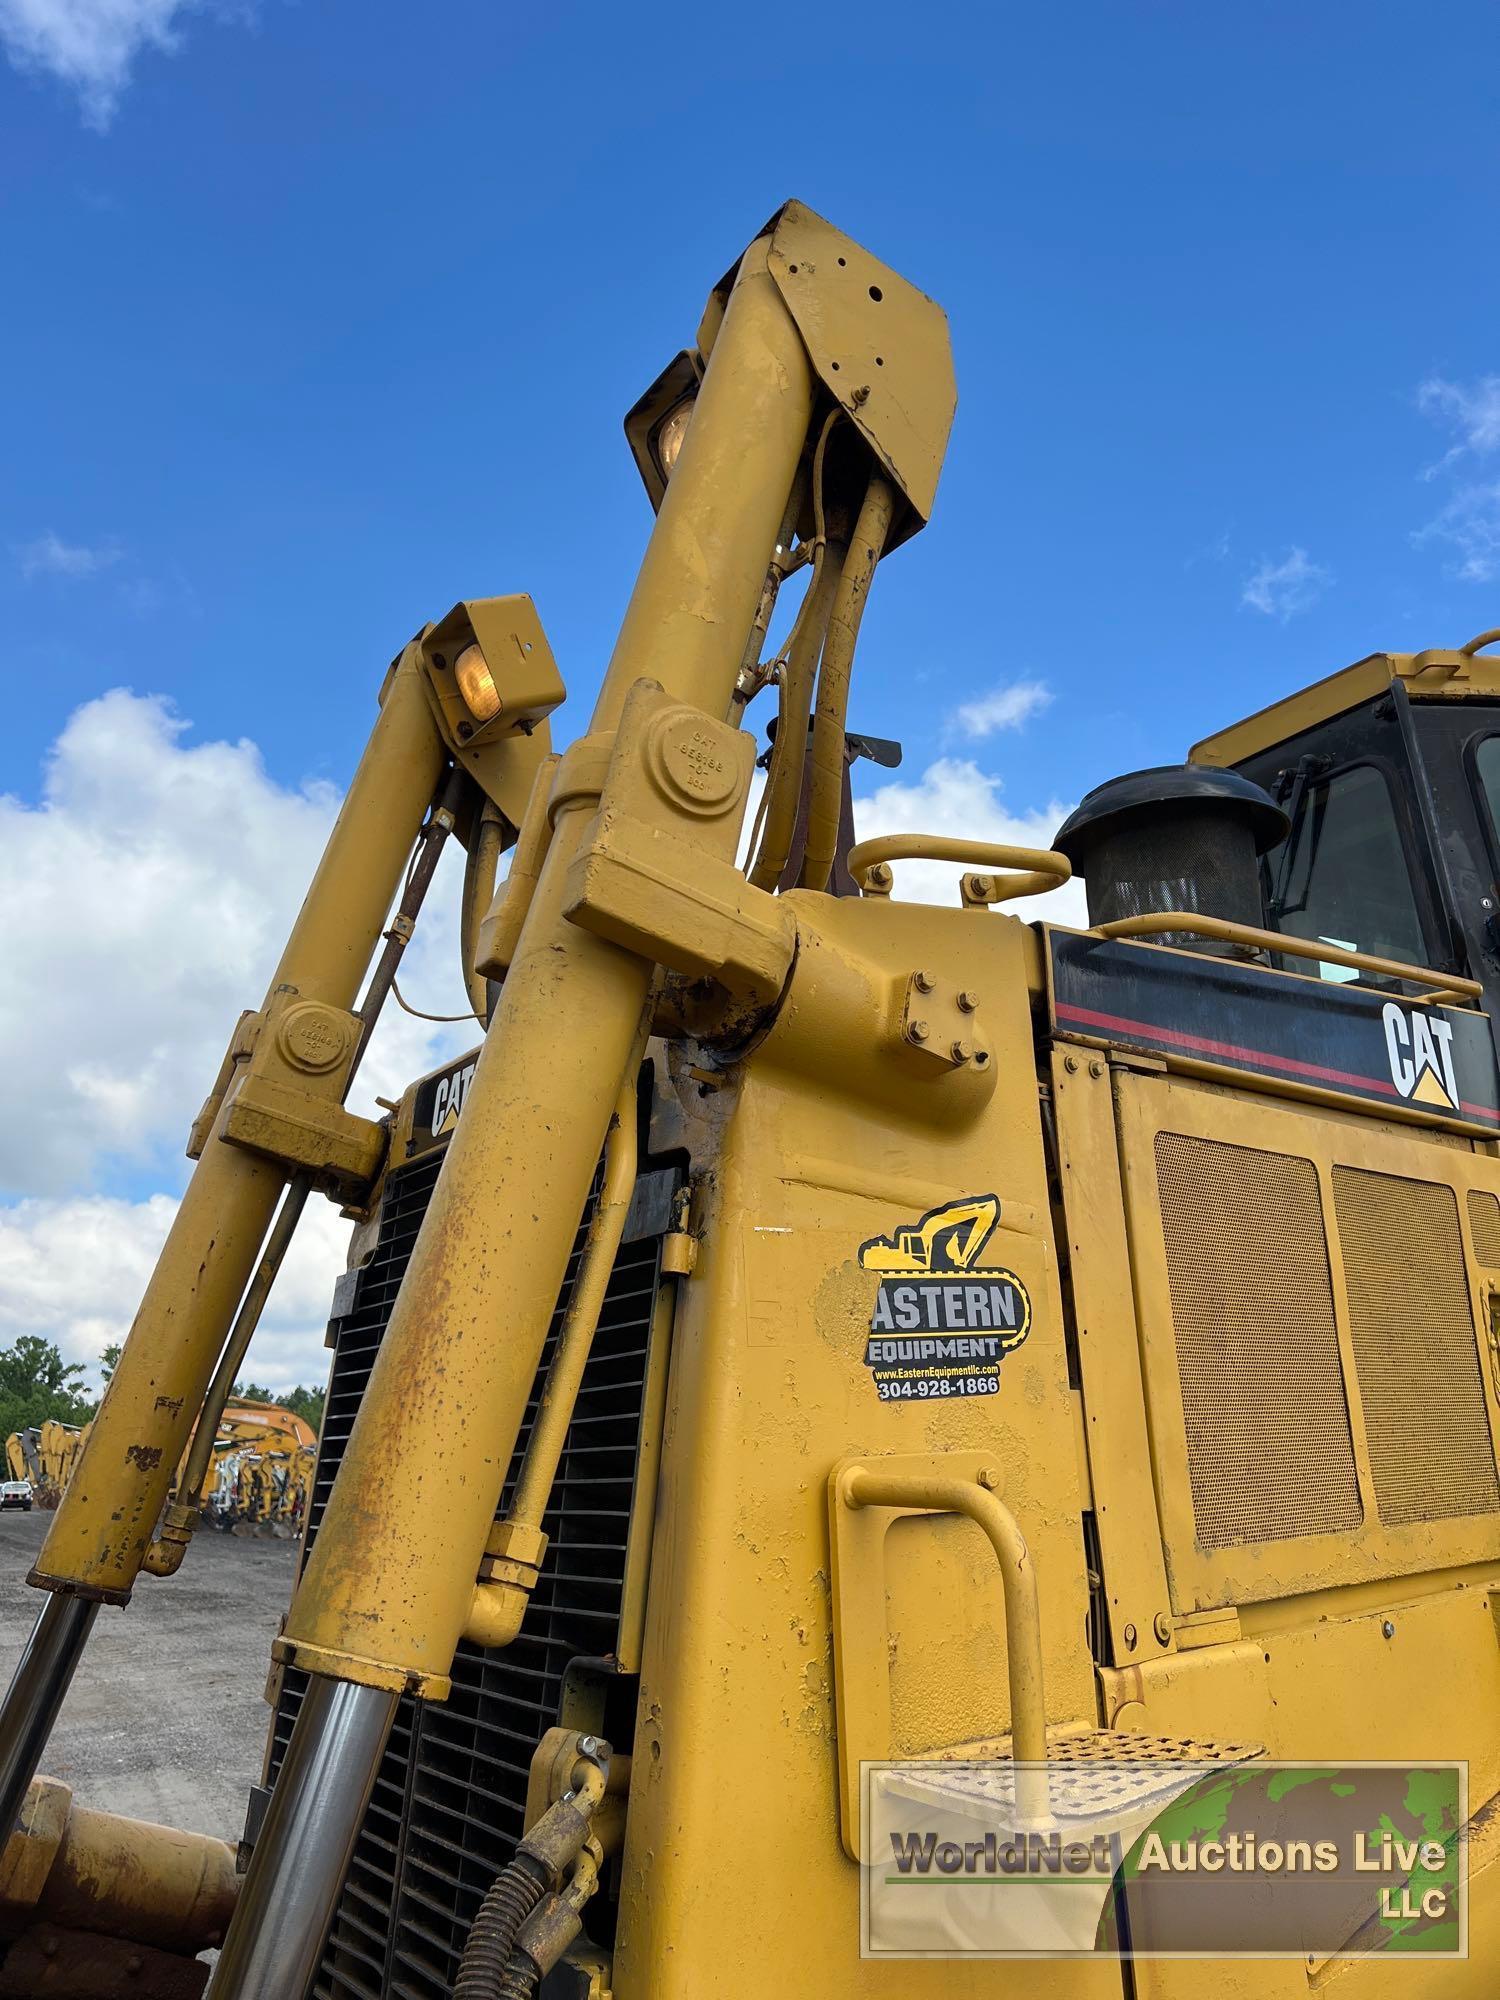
(145, 1456)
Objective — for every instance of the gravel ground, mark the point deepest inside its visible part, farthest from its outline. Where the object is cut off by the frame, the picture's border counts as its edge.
(166, 1719)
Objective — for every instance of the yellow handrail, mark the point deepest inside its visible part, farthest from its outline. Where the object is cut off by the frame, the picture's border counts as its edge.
(1446, 985)
(936, 1493)
(869, 864)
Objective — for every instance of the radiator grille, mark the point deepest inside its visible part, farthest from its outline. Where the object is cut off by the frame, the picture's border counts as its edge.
(1269, 1447)
(1484, 1224)
(1415, 1350)
(448, 1804)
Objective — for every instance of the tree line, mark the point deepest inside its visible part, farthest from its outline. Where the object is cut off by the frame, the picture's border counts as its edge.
(36, 1383)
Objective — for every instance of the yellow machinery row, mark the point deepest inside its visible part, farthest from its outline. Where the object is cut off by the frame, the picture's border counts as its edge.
(260, 1469)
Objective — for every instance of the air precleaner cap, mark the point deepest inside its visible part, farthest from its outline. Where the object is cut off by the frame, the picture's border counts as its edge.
(1168, 791)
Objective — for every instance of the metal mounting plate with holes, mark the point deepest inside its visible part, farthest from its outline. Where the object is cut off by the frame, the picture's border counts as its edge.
(940, 1021)
(879, 346)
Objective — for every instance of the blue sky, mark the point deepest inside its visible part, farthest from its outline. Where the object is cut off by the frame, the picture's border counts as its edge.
(322, 316)
(336, 321)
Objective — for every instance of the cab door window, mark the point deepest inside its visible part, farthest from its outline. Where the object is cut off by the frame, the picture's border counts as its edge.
(1487, 771)
(1341, 877)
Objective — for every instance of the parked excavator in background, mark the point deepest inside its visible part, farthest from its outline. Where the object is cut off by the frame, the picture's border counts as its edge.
(246, 1434)
(45, 1454)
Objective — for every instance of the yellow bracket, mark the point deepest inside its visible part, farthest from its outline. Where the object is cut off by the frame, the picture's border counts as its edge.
(241, 1047)
(648, 876)
(878, 345)
(288, 1103)
(555, 1771)
(340, 1152)
(866, 1497)
(940, 1021)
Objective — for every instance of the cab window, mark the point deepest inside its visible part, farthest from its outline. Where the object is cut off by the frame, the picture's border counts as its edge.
(1341, 876)
(1487, 771)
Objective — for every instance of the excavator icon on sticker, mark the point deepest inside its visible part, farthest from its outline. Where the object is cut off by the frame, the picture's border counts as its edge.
(942, 1320)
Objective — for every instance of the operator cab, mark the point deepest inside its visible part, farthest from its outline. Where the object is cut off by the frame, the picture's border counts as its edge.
(1389, 773)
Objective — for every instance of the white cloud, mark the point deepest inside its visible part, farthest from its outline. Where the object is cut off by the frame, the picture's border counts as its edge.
(89, 45)
(1281, 590)
(1470, 525)
(1472, 414)
(953, 796)
(50, 555)
(73, 1271)
(147, 898)
(1002, 708)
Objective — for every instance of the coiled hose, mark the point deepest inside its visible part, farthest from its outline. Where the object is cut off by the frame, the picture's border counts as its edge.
(519, 1980)
(490, 1958)
(487, 1970)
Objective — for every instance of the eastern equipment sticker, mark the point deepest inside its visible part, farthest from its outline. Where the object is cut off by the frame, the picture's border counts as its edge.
(942, 1320)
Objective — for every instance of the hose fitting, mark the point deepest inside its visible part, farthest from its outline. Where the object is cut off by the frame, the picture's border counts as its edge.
(545, 1852)
(550, 1929)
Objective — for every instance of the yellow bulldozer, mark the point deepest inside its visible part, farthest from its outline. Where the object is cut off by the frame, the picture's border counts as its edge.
(44, 1454)
(872, 1449)
(244, 1434)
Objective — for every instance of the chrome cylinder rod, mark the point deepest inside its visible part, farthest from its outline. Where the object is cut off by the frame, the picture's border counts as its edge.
(41, 1679)
(302, 1854)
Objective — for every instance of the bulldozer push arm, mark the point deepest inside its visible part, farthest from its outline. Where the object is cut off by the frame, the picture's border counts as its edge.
(809, 351)
(274, 1116)
(636, 872)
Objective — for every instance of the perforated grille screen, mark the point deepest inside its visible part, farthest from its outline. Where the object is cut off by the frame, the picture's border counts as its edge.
(1484, 1224)
(1269, 1447)
(448, 1805)
(1414, 1346)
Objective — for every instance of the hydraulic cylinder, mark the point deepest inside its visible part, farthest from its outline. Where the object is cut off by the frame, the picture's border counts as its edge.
(100, 1532)
(390, 1581)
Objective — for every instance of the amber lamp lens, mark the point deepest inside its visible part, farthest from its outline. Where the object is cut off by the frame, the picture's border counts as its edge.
(477, 684)
(670, 433)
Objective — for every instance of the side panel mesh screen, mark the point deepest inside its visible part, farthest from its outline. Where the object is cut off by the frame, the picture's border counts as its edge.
(1484, 1224)
(449, 1801)
(1269, 1447)
(1415, 1349)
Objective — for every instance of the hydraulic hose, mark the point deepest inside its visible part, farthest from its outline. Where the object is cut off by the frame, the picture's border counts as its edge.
(481, 864)
(789, 757)
(535, 1870)
(549, 1931)
(519, 1979)
(489, 1954)
(750, 679)
(826, 796)
(776, 821)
